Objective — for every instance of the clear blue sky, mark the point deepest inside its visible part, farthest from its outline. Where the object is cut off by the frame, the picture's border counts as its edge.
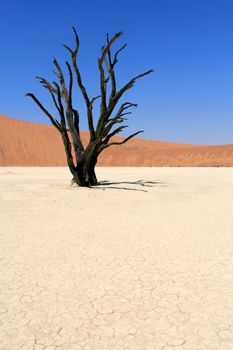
(188, 42)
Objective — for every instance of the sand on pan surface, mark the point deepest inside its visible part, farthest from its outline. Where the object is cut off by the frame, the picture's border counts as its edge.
(143, 262)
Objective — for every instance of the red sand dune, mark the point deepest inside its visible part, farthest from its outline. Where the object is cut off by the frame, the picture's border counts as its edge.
(29, 144)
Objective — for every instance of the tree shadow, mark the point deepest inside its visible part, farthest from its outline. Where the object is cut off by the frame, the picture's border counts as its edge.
(105, 184)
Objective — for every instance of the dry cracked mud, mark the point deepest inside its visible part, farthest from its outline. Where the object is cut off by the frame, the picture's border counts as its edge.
(145, 262)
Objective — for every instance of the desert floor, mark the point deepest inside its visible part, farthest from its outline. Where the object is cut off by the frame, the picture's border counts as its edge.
(143, 262)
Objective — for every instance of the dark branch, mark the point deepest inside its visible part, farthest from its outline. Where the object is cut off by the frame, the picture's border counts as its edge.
(82, 88)
(61, 108)
(51, 90)
(108, 46)
(113, 133)
(53, 121)
(60, 76)
(106, 110)
(71, 82)
(130, 84)
(118, 117)
(76, 119)
(115, 60)
(103, 89)
(106, 51)
(120, 142)
(93, 99)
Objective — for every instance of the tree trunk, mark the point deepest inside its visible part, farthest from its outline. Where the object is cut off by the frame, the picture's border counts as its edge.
(85, 173)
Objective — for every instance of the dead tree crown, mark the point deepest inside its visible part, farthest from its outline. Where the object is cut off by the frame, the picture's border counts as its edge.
(83, 166)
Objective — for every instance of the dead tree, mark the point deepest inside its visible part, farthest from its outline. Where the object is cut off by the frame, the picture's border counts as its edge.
(82, 161)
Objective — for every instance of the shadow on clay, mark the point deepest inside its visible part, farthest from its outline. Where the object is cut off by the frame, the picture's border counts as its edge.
(105, 184)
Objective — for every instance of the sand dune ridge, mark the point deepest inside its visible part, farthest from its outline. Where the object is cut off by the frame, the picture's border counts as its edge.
(29, 144)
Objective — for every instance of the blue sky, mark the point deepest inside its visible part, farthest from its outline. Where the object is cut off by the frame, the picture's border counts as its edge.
(189, 43)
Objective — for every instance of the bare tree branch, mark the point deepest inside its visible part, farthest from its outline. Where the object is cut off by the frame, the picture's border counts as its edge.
(110, 68)
(118, 117)
(94, 98)
(73, 54)
(61, 108)
(109, 44)
(60, 76)
(106, 51)
(77, 144)
(102, 147)
(51, 90)
(113, 133)
(53, 121)
(130, 84)
(106, 110)
(103, 89)
(115, 60)
(71, 82)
